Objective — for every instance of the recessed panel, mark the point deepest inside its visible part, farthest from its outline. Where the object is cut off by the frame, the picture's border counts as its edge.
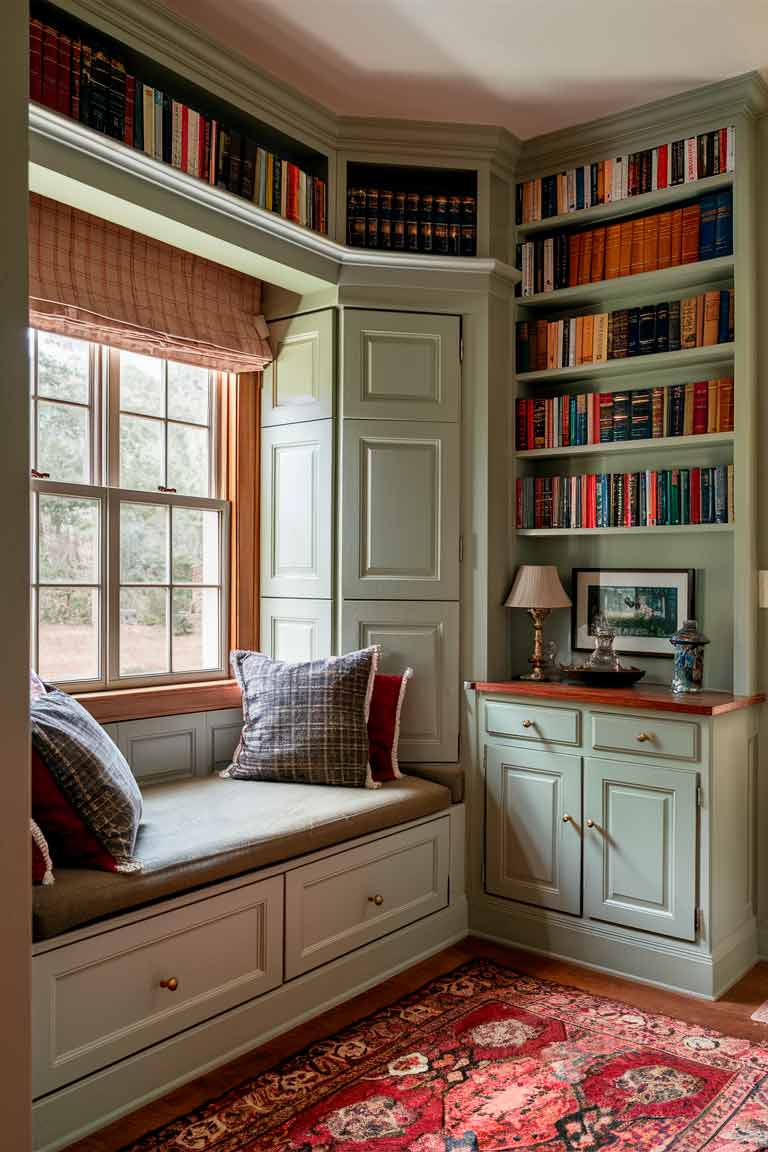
(530, 845)
(296, 630)
(638, 863)
(298, 384)
(401, 503)
(402, 366)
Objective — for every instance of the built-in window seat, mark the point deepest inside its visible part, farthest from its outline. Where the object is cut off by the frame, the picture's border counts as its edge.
(204, 830)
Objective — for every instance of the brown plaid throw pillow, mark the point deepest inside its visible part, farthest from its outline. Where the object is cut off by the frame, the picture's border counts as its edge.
(305, 723)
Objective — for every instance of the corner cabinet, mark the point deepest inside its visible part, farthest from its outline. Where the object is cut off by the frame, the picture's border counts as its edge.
(619, 835)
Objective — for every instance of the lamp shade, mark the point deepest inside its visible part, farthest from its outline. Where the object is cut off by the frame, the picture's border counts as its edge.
(537, 586)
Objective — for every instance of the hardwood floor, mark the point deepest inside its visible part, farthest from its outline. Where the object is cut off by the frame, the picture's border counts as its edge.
(730, 1014)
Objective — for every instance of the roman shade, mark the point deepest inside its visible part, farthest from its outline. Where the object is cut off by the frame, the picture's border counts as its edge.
(95, 280)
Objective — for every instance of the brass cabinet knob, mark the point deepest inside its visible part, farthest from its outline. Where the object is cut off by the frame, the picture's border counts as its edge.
(566, 818)
(171, 983)
(590, 823)
(527, 723)
(377, 900)
(644, 737)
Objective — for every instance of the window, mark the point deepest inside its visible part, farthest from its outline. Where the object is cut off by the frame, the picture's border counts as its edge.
(128, 536)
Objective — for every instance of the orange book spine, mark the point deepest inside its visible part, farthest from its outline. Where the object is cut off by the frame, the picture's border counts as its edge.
(585, 261)
(665, 239)
(676, 238)
(650, 243)
(711, 317)
(691, 225)
(636, 254)
(625, 248)
(612, 251)
(579, 338)
(597, 271)
(587, 339)
(688, 322)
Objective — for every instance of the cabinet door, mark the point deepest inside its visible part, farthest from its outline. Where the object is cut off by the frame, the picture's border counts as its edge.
(298, 384)
(295, 630)
(425, 637)
(400, 511)
(533, 827)
(296, 510)
(640, 852)
(401, 366)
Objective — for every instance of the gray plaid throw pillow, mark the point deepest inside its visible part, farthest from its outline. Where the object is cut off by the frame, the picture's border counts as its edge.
(91, 771)
(305, 723)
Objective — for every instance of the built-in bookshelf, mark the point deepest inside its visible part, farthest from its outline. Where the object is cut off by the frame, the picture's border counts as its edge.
(79, 72)
(404, 208)
(567, 280)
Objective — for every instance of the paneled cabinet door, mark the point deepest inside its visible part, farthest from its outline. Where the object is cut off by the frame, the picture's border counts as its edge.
(298, 384)
(400, 366)
(295, 630)
(640, 848)
(425, 637)
(400, 510)
(296, 510)
(533, 827)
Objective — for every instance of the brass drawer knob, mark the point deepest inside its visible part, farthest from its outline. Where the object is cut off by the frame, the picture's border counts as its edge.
(171, 983)
(527, 723)
(378, 900)
(644, 737)
(567, 819)
(590, 823)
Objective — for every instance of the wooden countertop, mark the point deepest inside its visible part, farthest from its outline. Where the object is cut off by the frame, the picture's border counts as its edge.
(655, 697)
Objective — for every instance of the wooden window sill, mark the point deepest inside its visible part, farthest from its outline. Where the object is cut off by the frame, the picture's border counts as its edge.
(163, 700)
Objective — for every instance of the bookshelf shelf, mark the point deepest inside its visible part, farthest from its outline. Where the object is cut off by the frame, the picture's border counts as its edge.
(628, 207)
(660, 444)
(667, 280)
(667, 529)
(684, 358)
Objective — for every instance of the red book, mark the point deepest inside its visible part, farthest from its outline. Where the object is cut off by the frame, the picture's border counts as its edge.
(212, 147)
(35, 60)
(50, 67)
(130, 109)
(201, 125)
(63, 83)
(723, 149)
(725, 404)
(700, 407)
(76, 53)
(662, 161)
(184, 138)
(292, 199)
(695, 495)
(529, 432)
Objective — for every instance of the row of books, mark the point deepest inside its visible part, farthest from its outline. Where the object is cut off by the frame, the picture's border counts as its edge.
(691, 409)
(694, 322)
(702, 230)
(633, 174)
(84, 82)
(432, 222)
(672, 496)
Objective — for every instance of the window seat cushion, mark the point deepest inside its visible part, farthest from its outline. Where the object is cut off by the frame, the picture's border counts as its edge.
(196, 832)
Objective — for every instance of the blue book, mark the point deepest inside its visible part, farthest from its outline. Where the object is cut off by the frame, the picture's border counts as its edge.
(708, 206)
(633, 333)
(723, 243)
(580, 187)
(722, 323)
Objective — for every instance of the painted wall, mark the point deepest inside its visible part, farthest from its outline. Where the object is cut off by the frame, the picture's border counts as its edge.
(762, 537)
(14, 583)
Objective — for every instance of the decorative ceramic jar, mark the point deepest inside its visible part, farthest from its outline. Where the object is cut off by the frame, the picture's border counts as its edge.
(688, 671)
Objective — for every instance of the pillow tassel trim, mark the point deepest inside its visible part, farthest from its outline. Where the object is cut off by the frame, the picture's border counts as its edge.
(42, 844)
(407, 675)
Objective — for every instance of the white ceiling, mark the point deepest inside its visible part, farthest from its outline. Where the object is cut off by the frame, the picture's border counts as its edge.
(529, 65)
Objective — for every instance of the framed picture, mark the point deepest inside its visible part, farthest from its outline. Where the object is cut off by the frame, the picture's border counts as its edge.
(643, 607)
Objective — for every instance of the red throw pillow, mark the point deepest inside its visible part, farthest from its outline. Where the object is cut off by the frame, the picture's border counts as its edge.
(71, 841)
(42, 868)
(384, 724)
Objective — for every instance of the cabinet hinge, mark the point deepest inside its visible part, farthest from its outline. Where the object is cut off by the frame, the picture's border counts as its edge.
(699, 796)
(461, 350)
(698, 920)
(461, 549)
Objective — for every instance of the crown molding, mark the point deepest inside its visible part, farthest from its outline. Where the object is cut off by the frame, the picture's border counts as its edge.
(478, 142)
(645, 125)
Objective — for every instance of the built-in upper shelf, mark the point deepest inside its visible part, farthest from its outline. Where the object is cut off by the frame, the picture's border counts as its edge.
(657, 284)
(645, 528)
(657, 444)
(684, 358)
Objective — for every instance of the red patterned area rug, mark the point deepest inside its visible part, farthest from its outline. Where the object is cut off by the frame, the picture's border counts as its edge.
(486, 1060)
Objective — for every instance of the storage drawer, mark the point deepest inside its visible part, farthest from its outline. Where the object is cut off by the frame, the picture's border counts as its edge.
(101, 999)
(534, 722)
(353, 897)
(645, 736)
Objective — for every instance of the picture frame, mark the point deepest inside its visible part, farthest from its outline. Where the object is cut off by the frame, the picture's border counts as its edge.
(645, 606)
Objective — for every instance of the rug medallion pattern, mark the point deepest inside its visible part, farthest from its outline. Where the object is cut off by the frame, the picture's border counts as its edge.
(487, 1060)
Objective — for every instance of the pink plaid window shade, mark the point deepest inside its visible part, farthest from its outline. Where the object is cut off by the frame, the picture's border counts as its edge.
(95, 280)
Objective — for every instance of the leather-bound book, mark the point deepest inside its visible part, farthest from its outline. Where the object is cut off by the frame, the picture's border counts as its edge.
(676, 238)
(700, 407)
(637, 251)
(50, 72)
(688, 322)
(597, 270)
(36, 60)
(612, 251)
(650, 243)
(725, 404)
(64, 77)
(691, 227)
(585, 258)
(665, 239)
(587, 340)
(674, 326)
(574, 256)
(711, 318)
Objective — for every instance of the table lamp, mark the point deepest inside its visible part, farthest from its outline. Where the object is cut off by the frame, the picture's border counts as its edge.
(537, 587)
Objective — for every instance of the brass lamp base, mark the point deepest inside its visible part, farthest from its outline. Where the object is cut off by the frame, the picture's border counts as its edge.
(536, 660)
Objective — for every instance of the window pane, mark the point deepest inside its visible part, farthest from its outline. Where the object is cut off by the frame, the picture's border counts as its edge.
(68, 632)
(142, 454)
(143, 544)
(63, 368)
(69, 540)
(63, 442)
(195, 629)
(141, 384)
(143, 631)
(195, 557)
(188, 460)
(188, 392)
